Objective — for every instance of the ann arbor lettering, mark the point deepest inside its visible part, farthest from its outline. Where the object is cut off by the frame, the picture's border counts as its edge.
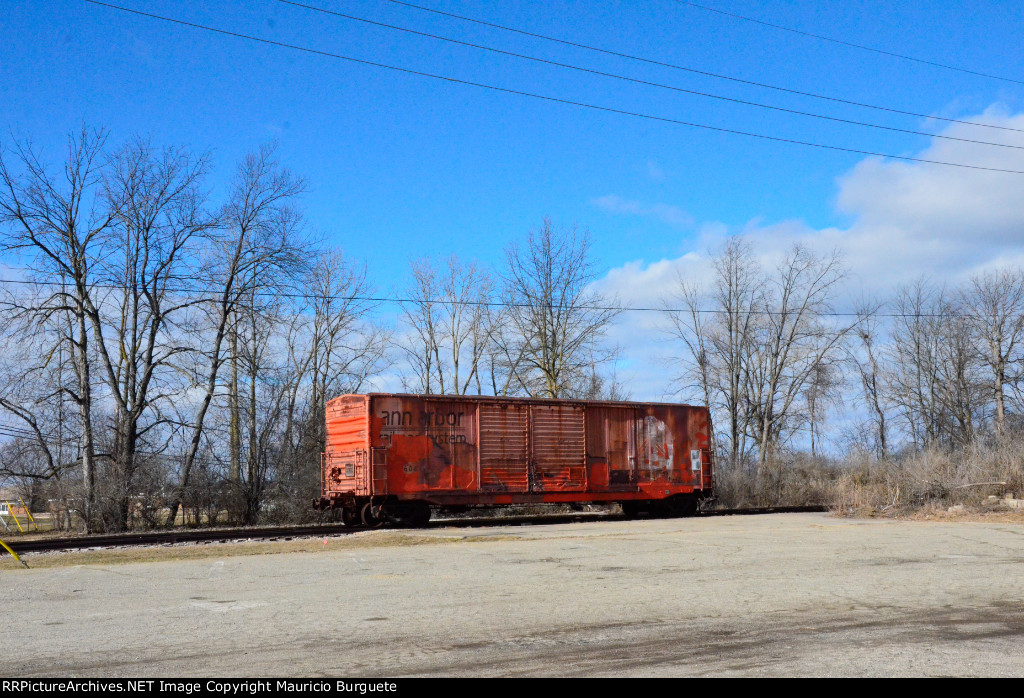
(438, 425)
(441, 419)
(396, 418)
(426, 419)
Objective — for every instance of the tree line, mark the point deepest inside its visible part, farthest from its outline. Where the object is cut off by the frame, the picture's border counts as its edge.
(168, 355)
(936, 368)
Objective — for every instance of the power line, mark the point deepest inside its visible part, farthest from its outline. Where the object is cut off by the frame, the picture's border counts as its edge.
(644, 82)
(20, 433)
(558, 100)
(850, 44)
(13, 432)
(699, 72)
(494, 304)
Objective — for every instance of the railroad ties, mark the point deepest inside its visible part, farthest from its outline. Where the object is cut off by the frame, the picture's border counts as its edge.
(289, 532)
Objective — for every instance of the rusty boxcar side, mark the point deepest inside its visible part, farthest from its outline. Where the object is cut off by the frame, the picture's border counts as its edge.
(392, 456)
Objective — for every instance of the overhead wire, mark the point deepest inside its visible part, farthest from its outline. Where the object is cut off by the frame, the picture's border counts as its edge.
(385, 299)
(639, 81)
(706, 73)
(863, 47)
(14, 432)
(487, 303)
(549, 98)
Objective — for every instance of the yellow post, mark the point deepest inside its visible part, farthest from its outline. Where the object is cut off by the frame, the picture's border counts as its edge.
(13, 516)
(28, 513)
(13, 554)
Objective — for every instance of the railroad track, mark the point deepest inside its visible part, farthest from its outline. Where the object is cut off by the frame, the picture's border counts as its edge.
(290, 532)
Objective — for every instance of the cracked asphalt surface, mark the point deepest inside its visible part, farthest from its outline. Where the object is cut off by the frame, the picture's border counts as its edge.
(778, 595)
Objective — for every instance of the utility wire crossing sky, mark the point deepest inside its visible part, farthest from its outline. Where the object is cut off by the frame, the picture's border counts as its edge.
(641, 115)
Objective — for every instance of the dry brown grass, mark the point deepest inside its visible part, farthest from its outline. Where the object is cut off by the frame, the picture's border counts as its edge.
(925, 483)
(932, 480)
(965, 514)
(795, 481)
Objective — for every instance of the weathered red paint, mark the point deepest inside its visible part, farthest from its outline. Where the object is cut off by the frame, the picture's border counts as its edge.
(460, 450)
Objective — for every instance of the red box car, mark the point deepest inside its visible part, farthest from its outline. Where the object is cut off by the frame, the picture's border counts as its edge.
(392, 457)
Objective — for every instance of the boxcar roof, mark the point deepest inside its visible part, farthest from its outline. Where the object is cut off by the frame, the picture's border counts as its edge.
(538, 400)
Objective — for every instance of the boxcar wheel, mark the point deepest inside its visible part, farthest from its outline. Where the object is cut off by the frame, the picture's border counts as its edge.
(420, 514)
(630, 509)
(369, 518)
(410, 514)
(350, 516)
(690, 506)
(681, 505)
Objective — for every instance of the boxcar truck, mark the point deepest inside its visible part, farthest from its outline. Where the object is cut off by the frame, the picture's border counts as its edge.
(390, 458)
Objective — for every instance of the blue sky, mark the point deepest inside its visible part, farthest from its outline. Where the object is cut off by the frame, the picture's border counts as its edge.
(402, 166)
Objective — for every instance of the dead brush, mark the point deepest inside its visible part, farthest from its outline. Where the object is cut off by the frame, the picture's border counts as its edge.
(931, 478)
(787, 480)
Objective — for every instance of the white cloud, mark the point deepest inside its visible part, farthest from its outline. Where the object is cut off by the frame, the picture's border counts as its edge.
(923, 217)
(673, 215)
(655, 172)
(908, 219)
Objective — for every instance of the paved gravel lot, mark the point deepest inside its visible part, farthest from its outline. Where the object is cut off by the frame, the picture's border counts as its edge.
(789, 594)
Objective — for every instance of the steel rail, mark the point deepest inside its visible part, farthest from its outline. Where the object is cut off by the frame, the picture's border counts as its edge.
(88, 542)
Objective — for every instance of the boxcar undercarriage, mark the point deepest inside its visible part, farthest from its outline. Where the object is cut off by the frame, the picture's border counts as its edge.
(390, 510)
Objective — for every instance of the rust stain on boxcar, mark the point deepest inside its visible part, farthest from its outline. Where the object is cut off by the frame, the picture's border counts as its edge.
(430, 444)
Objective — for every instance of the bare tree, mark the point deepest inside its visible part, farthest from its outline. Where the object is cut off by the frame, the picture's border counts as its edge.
(994, 307)
(135, 297)
(331, 347)
(149, 260)
(598, 385)
(821, 393)
(35, 367)
(422, 321)
(31, 394)
(691, 327)
(936, 382)
(554, 316)
(504, 354)
(718, 328)
(465, 293)
(264, 403)
(257, 251)
(447, 323)
(758, 346)
(56, 224)
(961, 393)
(344, 348)
(792, 342)
(866, 357)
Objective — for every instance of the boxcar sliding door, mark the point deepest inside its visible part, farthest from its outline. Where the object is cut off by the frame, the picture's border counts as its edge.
(558, 448)
(504, 447)
(611, 441)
